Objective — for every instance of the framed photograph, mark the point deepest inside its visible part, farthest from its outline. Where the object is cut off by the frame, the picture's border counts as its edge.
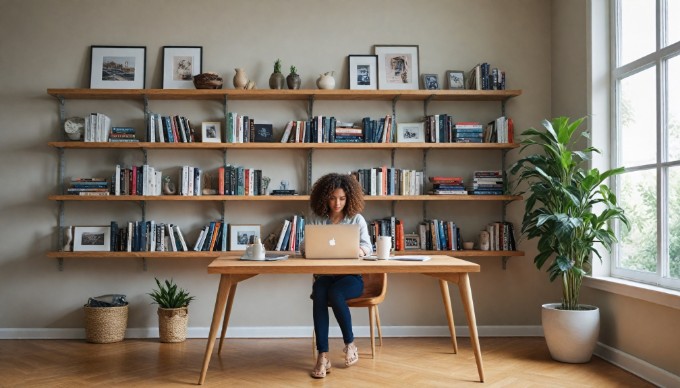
(455, 79)
(430, 81)
(411, 241)
(240, 236)
(92, 238)
(117, 67)
(180, 65)
(363, 72)
(410, 132)
(210, 132)
(398, 67)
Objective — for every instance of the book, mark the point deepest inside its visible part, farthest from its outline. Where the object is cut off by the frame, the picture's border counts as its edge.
(264, 133)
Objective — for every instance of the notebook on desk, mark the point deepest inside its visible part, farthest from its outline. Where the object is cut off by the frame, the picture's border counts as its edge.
(332, 241)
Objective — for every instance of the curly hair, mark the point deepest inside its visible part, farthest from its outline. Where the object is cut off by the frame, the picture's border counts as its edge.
(324, 187)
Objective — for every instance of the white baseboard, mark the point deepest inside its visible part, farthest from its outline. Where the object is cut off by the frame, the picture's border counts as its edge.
(283, 332)
(638, 367)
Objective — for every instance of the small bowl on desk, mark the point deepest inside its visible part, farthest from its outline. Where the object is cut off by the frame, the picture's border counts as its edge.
(208, 80)
(468, 245)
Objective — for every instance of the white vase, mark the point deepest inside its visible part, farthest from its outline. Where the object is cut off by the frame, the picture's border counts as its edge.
(571, 334)
(326, 81)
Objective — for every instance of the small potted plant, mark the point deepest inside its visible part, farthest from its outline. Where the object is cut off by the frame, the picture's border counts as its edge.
(276, 79)
(173, 312)
(293, 79)
(569, 210)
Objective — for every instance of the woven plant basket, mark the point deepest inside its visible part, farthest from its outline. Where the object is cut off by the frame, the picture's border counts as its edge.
(172, 324)
(104, 325)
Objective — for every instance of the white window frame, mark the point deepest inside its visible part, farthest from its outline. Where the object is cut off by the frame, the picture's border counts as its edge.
(659, 60)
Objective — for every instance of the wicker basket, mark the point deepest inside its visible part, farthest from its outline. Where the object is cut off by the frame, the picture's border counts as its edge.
(104, 325)
(172, 324)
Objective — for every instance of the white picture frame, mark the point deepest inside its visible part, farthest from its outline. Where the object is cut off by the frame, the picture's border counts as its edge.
(240, 236)
(117, 67)
(410, 132)
(211, 132)
(91, 238)
(180, 65)
(363, 72)
(398, 67)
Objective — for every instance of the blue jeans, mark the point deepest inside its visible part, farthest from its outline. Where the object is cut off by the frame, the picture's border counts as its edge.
(334, 290)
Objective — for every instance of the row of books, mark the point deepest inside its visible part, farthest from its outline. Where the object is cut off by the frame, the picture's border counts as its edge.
(390, 181)
(501, 236)
(433, 235)
(88, 186)
(447, 185)
(239, 180)
(169, 129)
(136, 180)
(146, 236)
(190, 179)
(487, 182)
(97, 128)
(500, 130)
(483, 77)
(291, 234)
(243, 129)
(123, 135)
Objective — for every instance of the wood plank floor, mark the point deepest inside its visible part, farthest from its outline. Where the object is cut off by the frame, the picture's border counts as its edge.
(400, 362)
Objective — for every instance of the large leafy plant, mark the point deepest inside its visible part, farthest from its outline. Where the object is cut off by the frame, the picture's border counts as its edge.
(569, 207)
(169, 296)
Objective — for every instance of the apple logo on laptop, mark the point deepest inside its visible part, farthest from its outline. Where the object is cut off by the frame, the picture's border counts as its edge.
(331, 242)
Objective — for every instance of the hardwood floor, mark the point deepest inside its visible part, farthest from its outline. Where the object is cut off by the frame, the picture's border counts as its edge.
(408, 362)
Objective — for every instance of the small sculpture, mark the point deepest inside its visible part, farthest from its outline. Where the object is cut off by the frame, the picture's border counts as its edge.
(293, 79)
(484, 240)
(284, 185)
(168, 186)
(240, 79)
(265, 183)
(68, 239)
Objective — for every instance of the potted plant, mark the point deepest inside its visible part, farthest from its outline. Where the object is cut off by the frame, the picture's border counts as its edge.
(276, 79)
(173, 313)
(570, 210)
(293, 79)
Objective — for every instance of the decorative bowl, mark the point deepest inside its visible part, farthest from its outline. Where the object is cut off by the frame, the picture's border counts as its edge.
(208, 80)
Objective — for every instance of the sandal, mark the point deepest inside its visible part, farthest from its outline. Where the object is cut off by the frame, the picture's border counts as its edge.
(351, 354)
(323, 366)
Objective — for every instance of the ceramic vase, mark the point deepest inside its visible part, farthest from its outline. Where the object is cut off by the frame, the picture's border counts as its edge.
(571, 335)
(276, 81)
(293, 81)
(326, 81)
(240, 79)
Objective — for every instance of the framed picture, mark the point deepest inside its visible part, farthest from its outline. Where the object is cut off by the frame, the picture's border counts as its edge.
(398, 67)
(455, 79)
(363, 72)
(240, 236)
(210, 132)
(430, 81)
(411, 241)
(410, 132)
(92, 238)
(180, 65)
(117, 67)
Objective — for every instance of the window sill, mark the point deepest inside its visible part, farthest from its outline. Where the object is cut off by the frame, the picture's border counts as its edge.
(646, 292)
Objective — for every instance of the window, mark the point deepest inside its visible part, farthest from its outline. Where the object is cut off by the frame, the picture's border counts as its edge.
(646, 111)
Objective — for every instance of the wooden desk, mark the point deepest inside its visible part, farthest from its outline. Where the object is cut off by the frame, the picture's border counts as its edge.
(445, 268)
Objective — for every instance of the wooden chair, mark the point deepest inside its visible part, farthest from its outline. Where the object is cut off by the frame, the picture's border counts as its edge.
(375, 289)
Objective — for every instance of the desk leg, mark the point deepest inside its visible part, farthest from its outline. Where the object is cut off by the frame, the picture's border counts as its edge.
(466, 296)
(225, 323)
(223, 290)
(444, 286)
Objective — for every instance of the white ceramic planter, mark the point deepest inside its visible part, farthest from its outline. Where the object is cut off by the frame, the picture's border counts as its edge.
(571, 334)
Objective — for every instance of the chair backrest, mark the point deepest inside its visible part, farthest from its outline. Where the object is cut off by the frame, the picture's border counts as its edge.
(375, 289)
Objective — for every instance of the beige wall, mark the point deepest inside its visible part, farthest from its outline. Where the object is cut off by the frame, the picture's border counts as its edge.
(641, 329)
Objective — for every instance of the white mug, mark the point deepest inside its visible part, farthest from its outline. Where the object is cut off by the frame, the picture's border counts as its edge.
(383, 247)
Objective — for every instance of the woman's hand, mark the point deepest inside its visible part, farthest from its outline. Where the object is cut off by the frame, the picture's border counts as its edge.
(361, 253)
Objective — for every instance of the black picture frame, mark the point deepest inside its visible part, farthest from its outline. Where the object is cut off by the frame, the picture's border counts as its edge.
(180, 65)
(117, 67)
(430, 81)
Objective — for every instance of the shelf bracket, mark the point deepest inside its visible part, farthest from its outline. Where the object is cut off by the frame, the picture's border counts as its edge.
(310, 107)
(146, 114)
(225, 112)
(60, 264)
(62, 113)
(426, 103)
(310, 153)
(504, 262)
(503, 108)
(145, 266)
(394, 110)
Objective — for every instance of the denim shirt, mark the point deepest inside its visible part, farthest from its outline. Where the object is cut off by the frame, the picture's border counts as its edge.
(364, 238)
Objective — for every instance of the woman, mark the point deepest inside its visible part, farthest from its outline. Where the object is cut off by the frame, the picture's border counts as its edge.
(337, 199)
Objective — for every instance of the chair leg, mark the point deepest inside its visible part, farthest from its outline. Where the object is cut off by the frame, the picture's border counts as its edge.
(371, 319)
(377, 321)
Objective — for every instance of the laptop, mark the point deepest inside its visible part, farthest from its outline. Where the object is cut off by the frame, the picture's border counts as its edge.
(339, 241)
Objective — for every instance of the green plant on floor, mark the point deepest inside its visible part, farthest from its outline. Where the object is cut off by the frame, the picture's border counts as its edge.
(169, 296)
(569, 208)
